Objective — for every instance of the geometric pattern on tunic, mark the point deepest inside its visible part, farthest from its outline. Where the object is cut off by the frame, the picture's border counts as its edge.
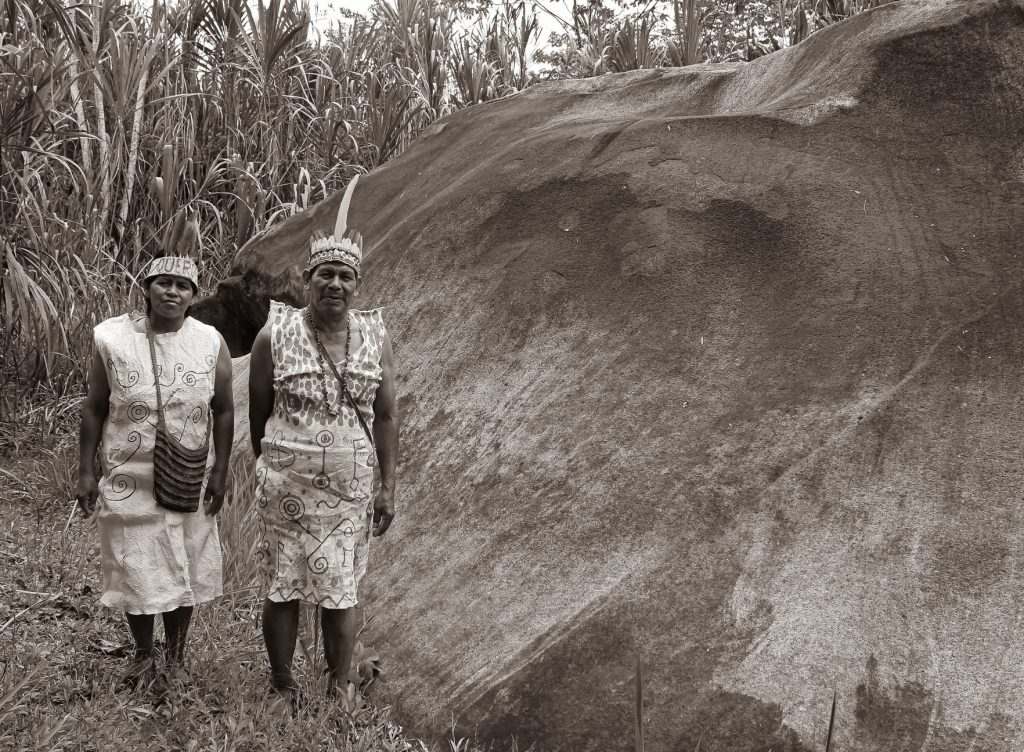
(314, 476)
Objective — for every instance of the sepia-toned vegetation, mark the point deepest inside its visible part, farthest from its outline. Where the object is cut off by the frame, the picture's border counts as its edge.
(62, 654)
(127, 131)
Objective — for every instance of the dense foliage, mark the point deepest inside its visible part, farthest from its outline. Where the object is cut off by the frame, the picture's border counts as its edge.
(194, 125)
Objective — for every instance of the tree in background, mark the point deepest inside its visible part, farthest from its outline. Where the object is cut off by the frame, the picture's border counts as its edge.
(607, 36)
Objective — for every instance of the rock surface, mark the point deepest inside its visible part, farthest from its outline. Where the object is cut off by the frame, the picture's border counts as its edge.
(720, 365)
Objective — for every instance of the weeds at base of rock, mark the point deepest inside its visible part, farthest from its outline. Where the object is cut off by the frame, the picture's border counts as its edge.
(62, 654)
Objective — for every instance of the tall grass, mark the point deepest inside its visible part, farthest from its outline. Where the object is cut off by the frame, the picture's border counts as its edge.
(189, 128)
(62, 654)
(126, 131)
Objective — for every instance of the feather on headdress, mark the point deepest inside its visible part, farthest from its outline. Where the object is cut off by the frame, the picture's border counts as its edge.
(342, 245)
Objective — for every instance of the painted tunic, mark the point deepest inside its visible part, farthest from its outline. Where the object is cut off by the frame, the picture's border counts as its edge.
(314, 477)
(154, 559)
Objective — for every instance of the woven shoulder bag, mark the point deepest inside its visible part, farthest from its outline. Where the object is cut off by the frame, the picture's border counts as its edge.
(178, 471)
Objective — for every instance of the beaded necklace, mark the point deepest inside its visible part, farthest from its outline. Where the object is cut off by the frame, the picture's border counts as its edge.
(332, 409)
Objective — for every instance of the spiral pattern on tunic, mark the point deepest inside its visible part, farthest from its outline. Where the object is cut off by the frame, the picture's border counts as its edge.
(261, 496)
(263, 547)
(131, 375)
(134, 440)
(317, 477)
(138, 412)
(292, 507)
(121, 487)
(153, 559)
(194, 417)
(317, 565)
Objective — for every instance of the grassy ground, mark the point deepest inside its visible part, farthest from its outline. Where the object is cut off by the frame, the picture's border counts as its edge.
(62, 654)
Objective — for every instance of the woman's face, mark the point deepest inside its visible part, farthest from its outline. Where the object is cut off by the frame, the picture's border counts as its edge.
(332, 285)
(170, 296)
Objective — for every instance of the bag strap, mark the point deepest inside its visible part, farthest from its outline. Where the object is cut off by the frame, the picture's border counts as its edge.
(156, 376)
(156, 380)
(348, 395)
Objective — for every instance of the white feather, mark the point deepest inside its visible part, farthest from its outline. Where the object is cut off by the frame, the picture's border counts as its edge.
(342, 222)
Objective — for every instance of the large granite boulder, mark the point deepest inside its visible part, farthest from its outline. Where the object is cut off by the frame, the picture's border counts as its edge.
(721, 366)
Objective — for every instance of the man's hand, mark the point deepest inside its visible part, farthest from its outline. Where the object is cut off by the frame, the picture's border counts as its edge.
(215, 489)
(88, 494)
(383, 511)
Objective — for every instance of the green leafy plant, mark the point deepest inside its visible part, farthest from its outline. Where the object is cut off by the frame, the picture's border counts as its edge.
(631, 47)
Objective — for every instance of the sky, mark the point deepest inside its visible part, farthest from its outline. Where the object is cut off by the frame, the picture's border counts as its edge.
(325, 12)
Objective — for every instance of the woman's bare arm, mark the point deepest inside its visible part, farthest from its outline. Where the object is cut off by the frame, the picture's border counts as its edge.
(261, 387)
(94, 415)
(222, 406)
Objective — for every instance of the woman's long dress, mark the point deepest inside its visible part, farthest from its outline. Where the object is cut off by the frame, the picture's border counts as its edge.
(314, 477)
(154, 559)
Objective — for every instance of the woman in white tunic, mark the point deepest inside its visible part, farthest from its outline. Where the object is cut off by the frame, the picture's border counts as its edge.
(155, 560)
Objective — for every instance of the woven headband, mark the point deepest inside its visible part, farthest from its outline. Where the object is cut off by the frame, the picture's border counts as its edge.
(177, 266)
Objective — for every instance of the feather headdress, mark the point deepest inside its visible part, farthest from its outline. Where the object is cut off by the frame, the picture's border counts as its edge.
(343, 246)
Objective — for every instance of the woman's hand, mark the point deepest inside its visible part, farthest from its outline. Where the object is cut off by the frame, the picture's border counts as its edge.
(88, 494)
(383, 511)
(216, 487)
